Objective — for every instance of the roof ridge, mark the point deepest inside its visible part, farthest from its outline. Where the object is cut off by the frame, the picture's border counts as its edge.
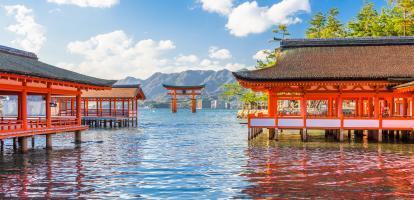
(354, 41)
(18, 52)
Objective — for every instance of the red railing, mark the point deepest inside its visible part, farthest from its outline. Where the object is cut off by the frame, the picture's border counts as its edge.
(10, 125)
(100, 113)
(39, 123)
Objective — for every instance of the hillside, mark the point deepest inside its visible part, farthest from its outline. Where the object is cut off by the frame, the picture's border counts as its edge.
(214, 80)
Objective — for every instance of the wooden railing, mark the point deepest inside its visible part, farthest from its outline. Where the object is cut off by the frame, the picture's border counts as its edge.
(100, 113)
(10, 124)
(13, 125)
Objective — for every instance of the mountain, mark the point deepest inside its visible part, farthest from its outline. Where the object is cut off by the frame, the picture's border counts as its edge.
(152, 86)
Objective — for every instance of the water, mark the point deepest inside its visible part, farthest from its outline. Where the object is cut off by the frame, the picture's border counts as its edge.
(205, 156)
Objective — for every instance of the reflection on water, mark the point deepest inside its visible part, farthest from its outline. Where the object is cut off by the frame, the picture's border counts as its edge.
(206, 155)
(321, 169)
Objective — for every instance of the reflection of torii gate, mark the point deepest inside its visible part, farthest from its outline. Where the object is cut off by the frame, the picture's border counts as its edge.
(192, 91)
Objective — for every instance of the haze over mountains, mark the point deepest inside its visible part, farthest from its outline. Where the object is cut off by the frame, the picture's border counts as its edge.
(152, 86)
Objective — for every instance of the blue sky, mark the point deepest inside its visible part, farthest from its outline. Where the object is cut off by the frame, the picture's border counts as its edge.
(119, 38)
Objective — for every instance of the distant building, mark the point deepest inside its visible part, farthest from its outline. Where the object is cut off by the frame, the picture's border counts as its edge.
(219, 104)
(203, 103)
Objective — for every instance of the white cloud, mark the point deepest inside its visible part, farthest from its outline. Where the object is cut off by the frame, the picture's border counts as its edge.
(186, 59)
(218, 6)
(215, 52)
(87, 3)
(114, 55)
(207, 64)
(31, 35)
(249, 18)
(261, 55)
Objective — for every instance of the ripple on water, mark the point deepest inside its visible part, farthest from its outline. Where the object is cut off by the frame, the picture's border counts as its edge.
(205, 155)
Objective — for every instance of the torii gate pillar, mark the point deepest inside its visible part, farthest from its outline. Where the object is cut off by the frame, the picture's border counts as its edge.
(193, 104)
(174, 102)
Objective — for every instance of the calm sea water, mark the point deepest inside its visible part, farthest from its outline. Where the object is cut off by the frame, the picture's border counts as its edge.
(205, 156)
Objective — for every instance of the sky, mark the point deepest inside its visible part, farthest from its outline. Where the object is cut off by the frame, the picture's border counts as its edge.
(114, 39)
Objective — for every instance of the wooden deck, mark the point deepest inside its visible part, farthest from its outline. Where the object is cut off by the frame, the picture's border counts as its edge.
(41, 131)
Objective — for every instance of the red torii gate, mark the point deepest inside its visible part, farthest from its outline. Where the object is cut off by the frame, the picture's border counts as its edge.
(175, 91)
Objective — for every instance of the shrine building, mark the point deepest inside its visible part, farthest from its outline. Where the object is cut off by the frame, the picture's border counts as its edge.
(337, 85)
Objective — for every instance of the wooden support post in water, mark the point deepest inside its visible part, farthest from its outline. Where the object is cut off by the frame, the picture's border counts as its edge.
(271, 133)
(14, 144)
(341, 135)
(380, 135)
(1, 145)
(276, 134)
(49, 141)
(33, 142)
(78, 137)
(23, 144)
(249, 131)
(304, 134)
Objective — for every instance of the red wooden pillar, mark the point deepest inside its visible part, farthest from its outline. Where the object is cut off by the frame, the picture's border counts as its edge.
(48, 109)
(97, 107)
(72, 107)
(303, 110)
(100, 107)
(341, 117)
(174, 101)
(24, 107)
(66, 106)
(276, 104)
(404, 106)
(128, 107)
(271, 103)
(86, 107)
(370, 106)
(412, 106)
(193, 102)
(78, 108)
(136, 112)
(123, 107)
(110, 107)
(376, 107)
(330, 107)
(391, 103)
(115, 109)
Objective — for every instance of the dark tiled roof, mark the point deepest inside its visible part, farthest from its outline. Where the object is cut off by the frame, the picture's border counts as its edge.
(184, 86)
(25, 63)
(320, 42)
(340, 59)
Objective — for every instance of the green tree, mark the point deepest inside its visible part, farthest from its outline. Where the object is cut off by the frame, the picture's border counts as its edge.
(317, 25)
(249, 98)
(406, 19)
(270, 60)
(333, 28)
(282, 30)
(367, 23)
(273, 56)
